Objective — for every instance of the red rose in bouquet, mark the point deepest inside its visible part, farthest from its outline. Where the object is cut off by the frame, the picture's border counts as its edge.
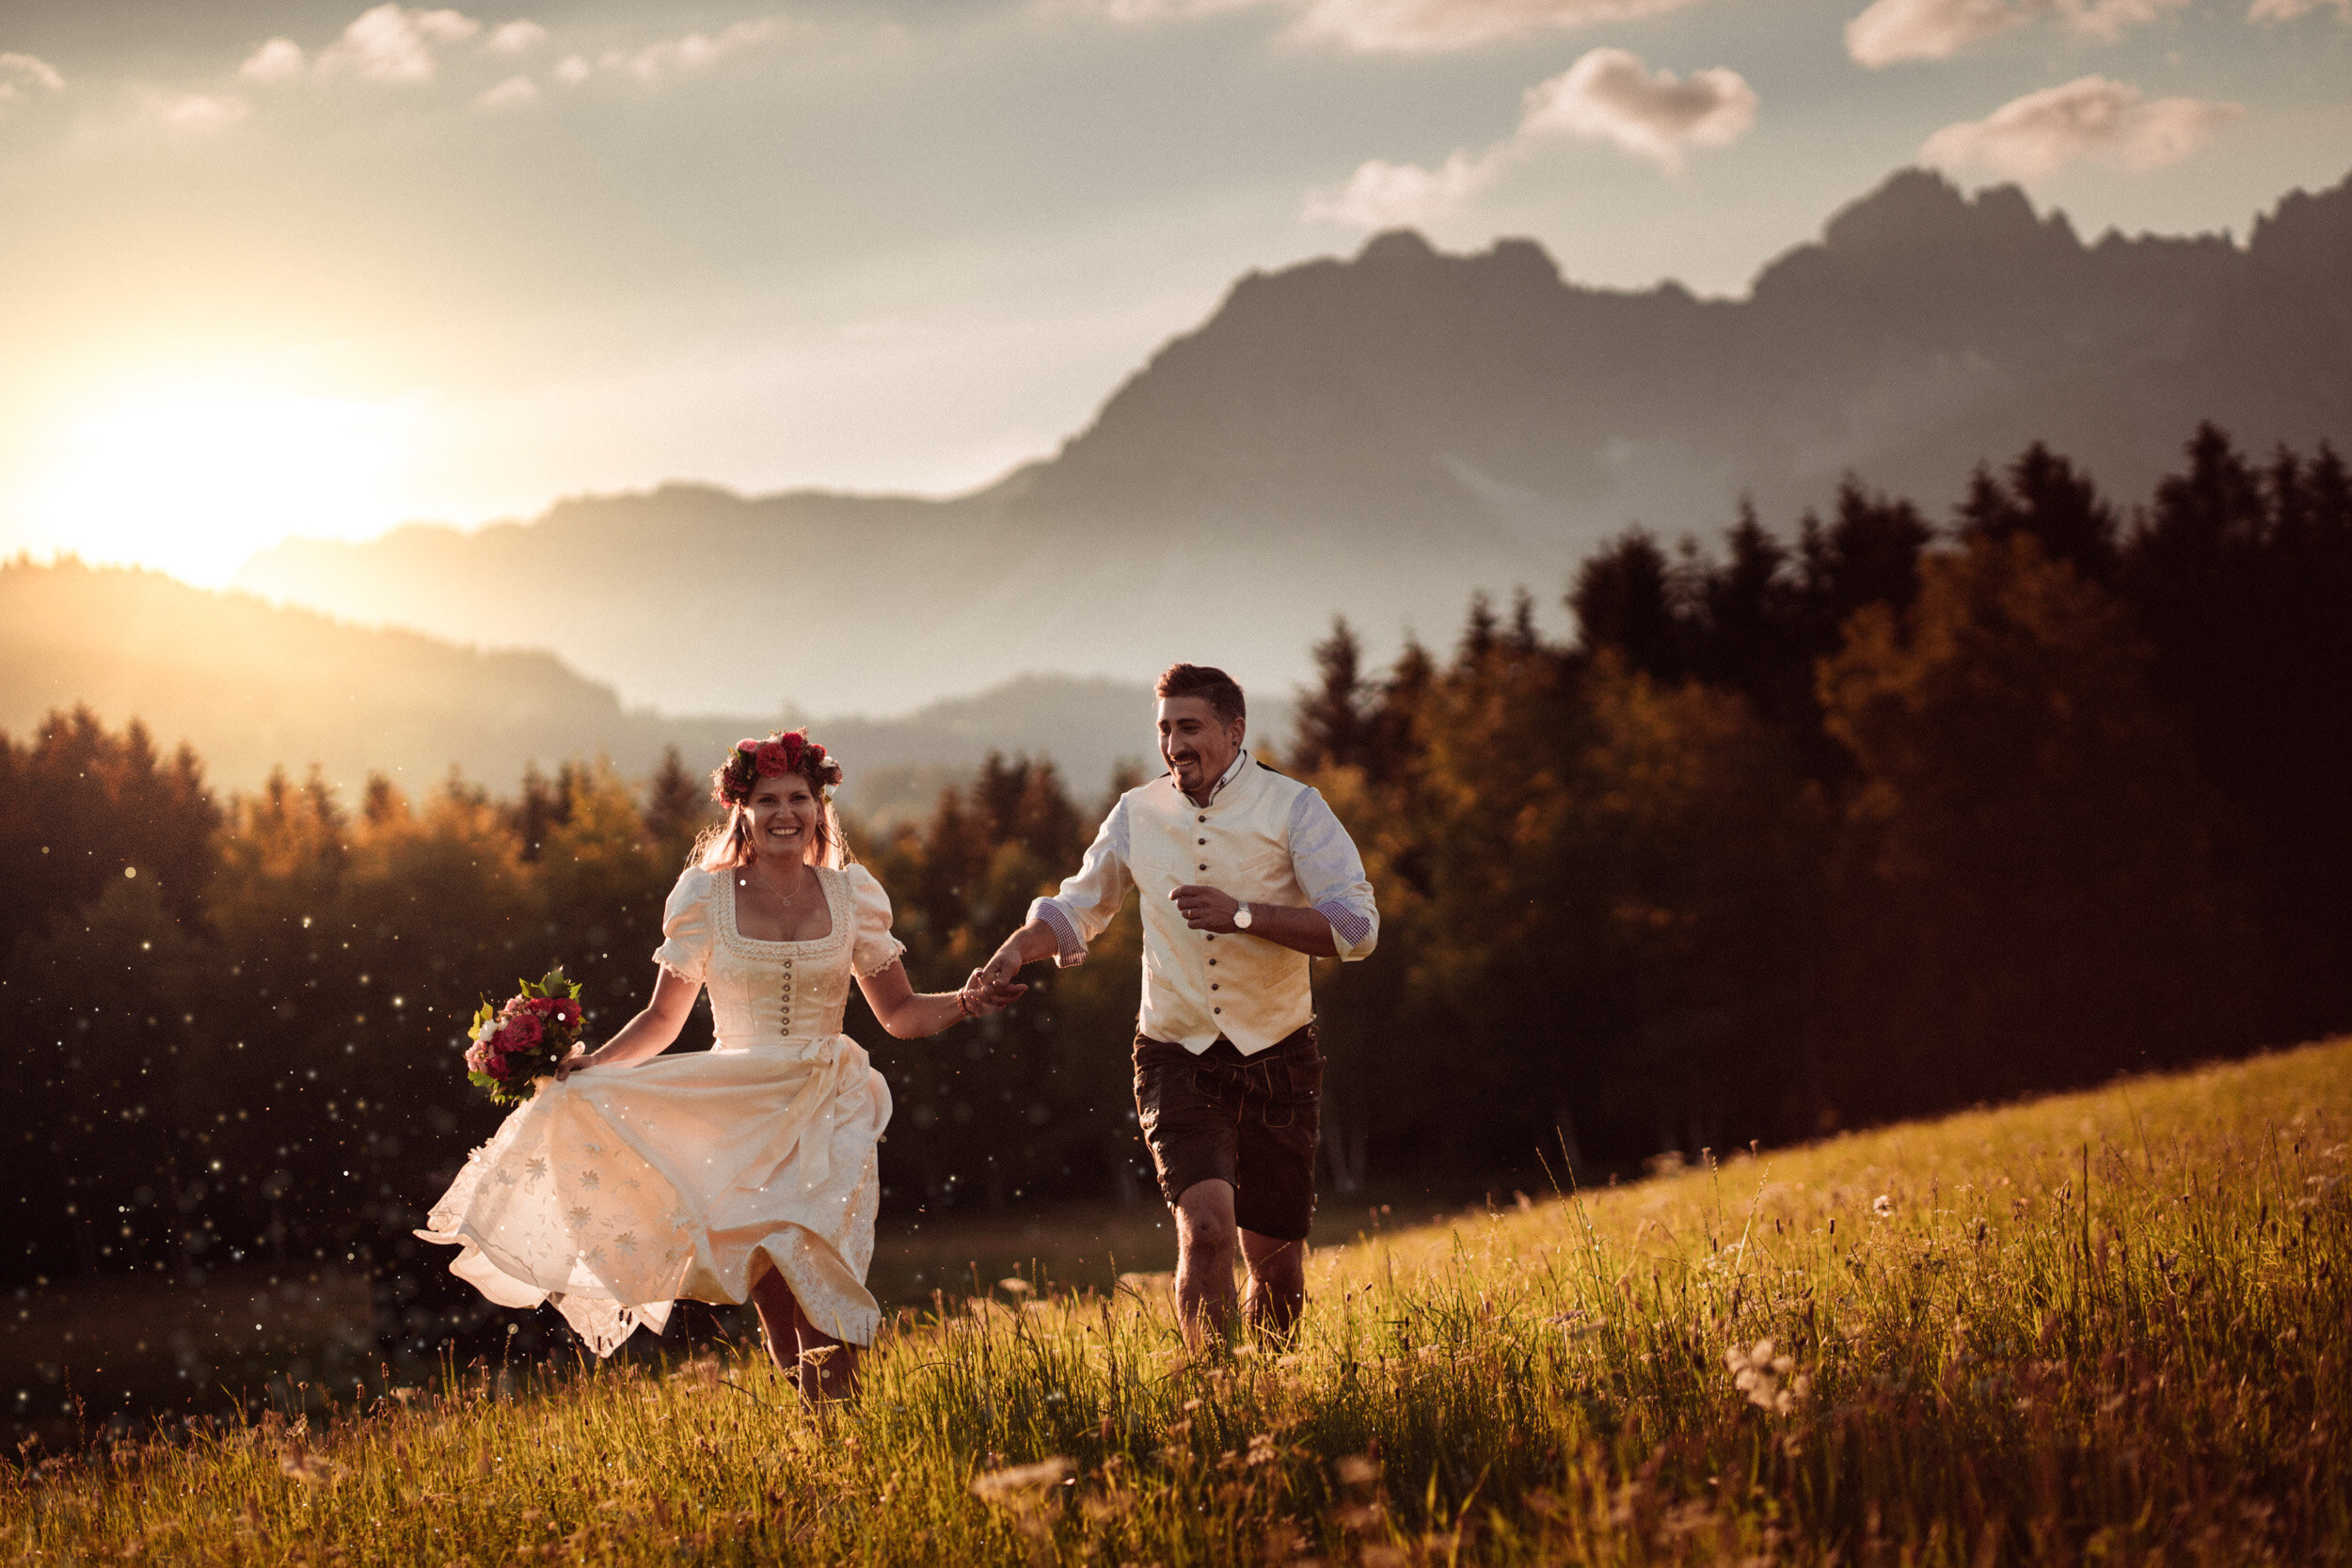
(514, 1048)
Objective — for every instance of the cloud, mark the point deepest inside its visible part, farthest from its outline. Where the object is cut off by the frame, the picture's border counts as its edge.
(515, 92)
(1893, 30)
(278, 60)
(2038, 135)
(518, 36)
(24, 74)
(1424, 26)
(1394, 26)
(691, 54)
(1889, 31)
(2287, 10)
(571, 71)
(1608, 95)
(196, 113)
(1154, 10)
(395, 43)
(1381, 195)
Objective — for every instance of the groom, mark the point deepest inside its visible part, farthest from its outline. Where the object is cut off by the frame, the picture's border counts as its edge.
(1244, 875)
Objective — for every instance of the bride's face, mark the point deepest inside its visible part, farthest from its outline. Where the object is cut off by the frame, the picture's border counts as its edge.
(785, 813)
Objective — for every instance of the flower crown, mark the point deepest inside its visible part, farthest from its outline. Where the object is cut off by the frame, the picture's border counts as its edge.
(784, 751)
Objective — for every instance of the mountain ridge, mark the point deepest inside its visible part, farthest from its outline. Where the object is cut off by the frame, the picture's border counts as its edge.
(1382, 437)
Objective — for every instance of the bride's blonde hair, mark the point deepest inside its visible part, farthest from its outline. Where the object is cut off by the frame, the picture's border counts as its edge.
(724, 846)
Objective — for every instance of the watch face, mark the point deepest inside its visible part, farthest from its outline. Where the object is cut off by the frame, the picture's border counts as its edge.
(1241, 918)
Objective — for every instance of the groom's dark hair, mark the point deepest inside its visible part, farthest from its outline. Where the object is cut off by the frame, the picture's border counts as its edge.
(1222, 692)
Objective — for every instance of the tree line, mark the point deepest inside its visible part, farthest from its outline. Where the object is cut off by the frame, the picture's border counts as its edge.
(1889, 819)
(1886, 817)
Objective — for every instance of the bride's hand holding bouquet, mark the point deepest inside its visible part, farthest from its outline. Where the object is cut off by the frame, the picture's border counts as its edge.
(531, 1038)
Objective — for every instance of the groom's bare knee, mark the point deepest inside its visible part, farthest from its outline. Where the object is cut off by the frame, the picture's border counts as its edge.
(1204, 1221)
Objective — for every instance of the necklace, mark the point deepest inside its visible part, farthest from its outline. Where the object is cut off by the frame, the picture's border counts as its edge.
(784, 901)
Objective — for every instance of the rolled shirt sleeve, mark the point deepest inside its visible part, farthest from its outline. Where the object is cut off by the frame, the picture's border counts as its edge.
(1325, 860)
(1088, 900)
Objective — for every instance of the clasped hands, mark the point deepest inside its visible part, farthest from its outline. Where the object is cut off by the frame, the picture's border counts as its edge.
(988, 991)
(996, 986)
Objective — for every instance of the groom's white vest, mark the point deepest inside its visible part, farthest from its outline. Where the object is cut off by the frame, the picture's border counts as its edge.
(1197, 985)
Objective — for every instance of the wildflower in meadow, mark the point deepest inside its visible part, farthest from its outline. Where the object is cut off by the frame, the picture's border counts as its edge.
(1760, 1372)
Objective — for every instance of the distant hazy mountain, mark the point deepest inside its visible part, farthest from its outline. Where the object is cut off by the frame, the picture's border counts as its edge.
(1382, 435)
(252, 686)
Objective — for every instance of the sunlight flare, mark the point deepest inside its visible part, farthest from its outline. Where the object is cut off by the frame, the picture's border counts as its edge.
(193, 484)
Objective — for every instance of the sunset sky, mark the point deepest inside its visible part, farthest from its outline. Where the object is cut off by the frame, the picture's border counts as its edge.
(269, 266)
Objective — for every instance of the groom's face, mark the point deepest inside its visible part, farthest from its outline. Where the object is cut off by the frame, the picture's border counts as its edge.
(1197, 746)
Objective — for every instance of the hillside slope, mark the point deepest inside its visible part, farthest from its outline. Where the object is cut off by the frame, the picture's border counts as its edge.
(2101, 1324)
(253, 686)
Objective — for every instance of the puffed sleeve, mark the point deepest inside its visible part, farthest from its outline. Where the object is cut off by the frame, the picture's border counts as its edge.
(872, 947)
(687, 931)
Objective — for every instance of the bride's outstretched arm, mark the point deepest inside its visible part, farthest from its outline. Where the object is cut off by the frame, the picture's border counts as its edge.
(910, 1014)
(648, 1034)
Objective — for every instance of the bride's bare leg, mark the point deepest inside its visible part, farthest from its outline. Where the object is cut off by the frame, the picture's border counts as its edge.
(779, 1319)
(828, 1365)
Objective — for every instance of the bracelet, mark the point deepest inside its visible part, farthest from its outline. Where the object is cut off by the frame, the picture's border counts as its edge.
(963, 1004)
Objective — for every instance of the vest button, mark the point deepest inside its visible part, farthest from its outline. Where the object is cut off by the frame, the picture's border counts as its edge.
(1213, 984)
(1217, 1009)
(1204, 866)
(1204, 841)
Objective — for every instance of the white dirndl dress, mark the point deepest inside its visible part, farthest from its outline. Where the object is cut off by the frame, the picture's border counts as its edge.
(620, 1190)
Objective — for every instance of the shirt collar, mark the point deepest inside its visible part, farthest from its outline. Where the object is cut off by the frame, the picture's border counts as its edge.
(1241, 760)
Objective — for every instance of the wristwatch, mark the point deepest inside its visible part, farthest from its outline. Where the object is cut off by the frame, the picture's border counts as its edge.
(1241, 917)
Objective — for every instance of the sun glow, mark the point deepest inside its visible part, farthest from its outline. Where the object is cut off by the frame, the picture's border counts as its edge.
(193, 485)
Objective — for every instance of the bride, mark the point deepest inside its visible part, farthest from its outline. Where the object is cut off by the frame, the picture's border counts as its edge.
(743, 1173)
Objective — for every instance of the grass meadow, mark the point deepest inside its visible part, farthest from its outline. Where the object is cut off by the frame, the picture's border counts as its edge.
(2104, 1327)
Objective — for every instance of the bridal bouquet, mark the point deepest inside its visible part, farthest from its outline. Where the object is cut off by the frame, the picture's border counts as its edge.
(516, 1046)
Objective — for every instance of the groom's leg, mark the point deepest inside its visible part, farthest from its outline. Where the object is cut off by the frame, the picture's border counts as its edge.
(1190, 1111)
(1278, 1282)
(1205, 1235)
(1280, 1133)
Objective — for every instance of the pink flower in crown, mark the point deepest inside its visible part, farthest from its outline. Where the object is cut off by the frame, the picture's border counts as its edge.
(477, 1057)
(747, 744)
(520, 1034)
(773, 759)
